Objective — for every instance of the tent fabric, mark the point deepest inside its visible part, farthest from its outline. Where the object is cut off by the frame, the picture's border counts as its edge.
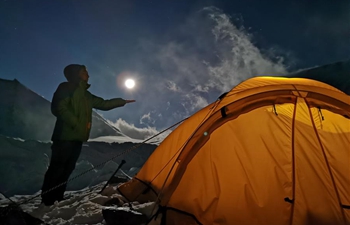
(271, 151)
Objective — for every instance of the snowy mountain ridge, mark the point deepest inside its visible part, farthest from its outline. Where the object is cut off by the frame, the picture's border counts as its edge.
(335, 74)
(27, 115)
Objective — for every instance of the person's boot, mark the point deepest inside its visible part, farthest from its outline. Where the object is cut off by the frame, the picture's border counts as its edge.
(47, 202)
(62, 199)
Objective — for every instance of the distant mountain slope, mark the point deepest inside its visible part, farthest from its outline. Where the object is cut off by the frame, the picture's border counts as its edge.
(27, 115)
(23, 163)
(335, 74)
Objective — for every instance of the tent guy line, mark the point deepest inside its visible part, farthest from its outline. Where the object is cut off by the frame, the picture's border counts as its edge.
(103, 163)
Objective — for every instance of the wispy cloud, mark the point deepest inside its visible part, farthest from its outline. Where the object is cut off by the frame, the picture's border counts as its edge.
(138, 133)
(146, 119)
(191, 67)
(239, 57)
(171, 85)
(196, 101)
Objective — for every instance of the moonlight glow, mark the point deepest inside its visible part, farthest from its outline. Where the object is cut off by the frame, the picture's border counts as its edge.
(129, 83)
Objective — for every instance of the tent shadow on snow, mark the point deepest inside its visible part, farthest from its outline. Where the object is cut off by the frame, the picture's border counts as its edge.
(271, 151)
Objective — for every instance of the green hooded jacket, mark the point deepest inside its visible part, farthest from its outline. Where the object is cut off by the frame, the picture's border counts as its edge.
(72, 105)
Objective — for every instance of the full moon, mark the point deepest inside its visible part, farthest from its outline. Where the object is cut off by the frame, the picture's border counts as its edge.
(129, 83)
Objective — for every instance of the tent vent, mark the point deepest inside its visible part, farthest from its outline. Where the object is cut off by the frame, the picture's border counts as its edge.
(288, 200)
(346, 206)
(223, 111)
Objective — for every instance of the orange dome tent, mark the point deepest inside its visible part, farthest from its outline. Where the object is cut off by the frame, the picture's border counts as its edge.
(272, 151)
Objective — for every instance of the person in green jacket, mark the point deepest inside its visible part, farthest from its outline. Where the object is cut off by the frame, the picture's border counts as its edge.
(72, 106)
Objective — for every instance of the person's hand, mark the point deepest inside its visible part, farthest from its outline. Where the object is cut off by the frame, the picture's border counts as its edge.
(129, 101)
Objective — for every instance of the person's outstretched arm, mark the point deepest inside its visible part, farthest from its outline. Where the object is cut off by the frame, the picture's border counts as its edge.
(101, 104)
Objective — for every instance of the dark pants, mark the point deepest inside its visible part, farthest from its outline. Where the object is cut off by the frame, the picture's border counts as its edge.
(63, 159)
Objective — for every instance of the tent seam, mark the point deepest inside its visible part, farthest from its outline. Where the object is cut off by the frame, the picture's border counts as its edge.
(327, 163)
(293, 160)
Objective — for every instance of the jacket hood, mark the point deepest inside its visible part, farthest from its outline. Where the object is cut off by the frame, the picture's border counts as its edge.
(71, 72)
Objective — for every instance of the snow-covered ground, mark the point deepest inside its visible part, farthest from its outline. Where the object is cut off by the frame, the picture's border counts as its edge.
(23, 164)
(84, 207)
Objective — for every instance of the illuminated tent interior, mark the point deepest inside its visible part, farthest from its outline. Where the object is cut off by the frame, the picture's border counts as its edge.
(271, 151)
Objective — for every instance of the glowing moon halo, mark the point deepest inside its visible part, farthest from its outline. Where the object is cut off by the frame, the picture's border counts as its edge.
(130, 83)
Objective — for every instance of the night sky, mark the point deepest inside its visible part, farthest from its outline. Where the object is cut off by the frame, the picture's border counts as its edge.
(182, 53)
